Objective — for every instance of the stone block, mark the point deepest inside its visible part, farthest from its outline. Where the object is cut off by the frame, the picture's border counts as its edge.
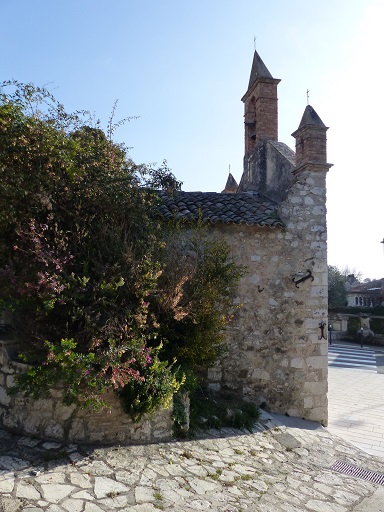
(54, 430)
(319, 291)
(32, 423)
(10, 381)
(259, 374)
(311, 323)
(315, 388)
(324, 349)
(317, 362)
(77, 430)
(214, 374)
(295, 412)
(308, 402)
(5, 399)
(320, 400)
(319, 414)
(10, 420)
(7, 369)
(63, 412)
(44, 406)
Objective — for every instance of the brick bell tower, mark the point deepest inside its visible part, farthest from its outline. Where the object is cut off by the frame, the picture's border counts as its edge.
(260, 107)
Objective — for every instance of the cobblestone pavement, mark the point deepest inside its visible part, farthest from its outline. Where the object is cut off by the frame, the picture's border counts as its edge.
(275, 468)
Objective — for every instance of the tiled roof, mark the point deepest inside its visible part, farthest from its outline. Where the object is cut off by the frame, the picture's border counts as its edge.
(242, 208)
(370, 287)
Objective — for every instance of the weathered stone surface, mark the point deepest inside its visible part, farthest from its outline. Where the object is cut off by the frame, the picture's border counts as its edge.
(53, 493)
(286, 316)
(7, 481)
(50, 419)
(105, 487)
(81, 480)
(9, 504)
(27, 490)
(73, 505)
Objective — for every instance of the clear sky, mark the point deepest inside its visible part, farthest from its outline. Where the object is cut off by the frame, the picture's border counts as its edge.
(182, 66)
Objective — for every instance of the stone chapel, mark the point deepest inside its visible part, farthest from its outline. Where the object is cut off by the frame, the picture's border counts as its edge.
(274, 220)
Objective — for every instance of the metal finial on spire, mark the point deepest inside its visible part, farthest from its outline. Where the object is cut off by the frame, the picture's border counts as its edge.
(254, 42)
(307, 96)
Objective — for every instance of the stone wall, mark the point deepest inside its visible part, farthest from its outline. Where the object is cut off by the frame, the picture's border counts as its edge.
(275, 354)
(50, 419)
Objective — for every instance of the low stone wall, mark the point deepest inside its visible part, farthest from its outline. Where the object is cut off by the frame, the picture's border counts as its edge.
(49, 419)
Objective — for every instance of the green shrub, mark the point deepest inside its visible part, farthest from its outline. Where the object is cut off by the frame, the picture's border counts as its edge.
(354, 325)
(104, 296)
(377, 325)
(208, 411)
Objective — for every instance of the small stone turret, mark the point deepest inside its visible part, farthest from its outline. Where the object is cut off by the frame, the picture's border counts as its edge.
(231, 185)
(260, 106)
(311, 141)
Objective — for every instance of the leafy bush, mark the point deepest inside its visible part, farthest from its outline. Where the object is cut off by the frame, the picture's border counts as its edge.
(354, 325)
(104, 296)
(337, 292)
(219, 411)
(377, 325)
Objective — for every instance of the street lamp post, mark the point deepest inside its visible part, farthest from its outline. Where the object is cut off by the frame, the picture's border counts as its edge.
(361, 337)
(330, 334)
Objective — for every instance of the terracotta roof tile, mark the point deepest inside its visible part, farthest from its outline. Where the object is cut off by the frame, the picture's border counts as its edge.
(242, 208)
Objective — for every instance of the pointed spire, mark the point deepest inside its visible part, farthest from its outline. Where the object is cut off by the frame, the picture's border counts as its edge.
(231, 185)
(259, 70)
(310, 117)
(260, 107)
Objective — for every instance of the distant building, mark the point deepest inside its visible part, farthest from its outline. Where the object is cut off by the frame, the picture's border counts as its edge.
(365, 295)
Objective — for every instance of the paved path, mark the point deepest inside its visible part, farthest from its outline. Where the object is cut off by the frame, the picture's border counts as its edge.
(276, 468)
(356, 407)
(284, 465)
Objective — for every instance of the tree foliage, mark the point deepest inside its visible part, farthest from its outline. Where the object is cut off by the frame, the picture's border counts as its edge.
(337, 292)
(104, 296)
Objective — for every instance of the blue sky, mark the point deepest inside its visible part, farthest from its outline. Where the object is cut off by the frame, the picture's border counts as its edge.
(182, 68)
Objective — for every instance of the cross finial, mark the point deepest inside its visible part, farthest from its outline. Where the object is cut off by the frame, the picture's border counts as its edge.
(307, 96)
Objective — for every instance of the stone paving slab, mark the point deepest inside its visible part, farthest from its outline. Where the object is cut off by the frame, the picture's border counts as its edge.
(356, 408)
(275, 468)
